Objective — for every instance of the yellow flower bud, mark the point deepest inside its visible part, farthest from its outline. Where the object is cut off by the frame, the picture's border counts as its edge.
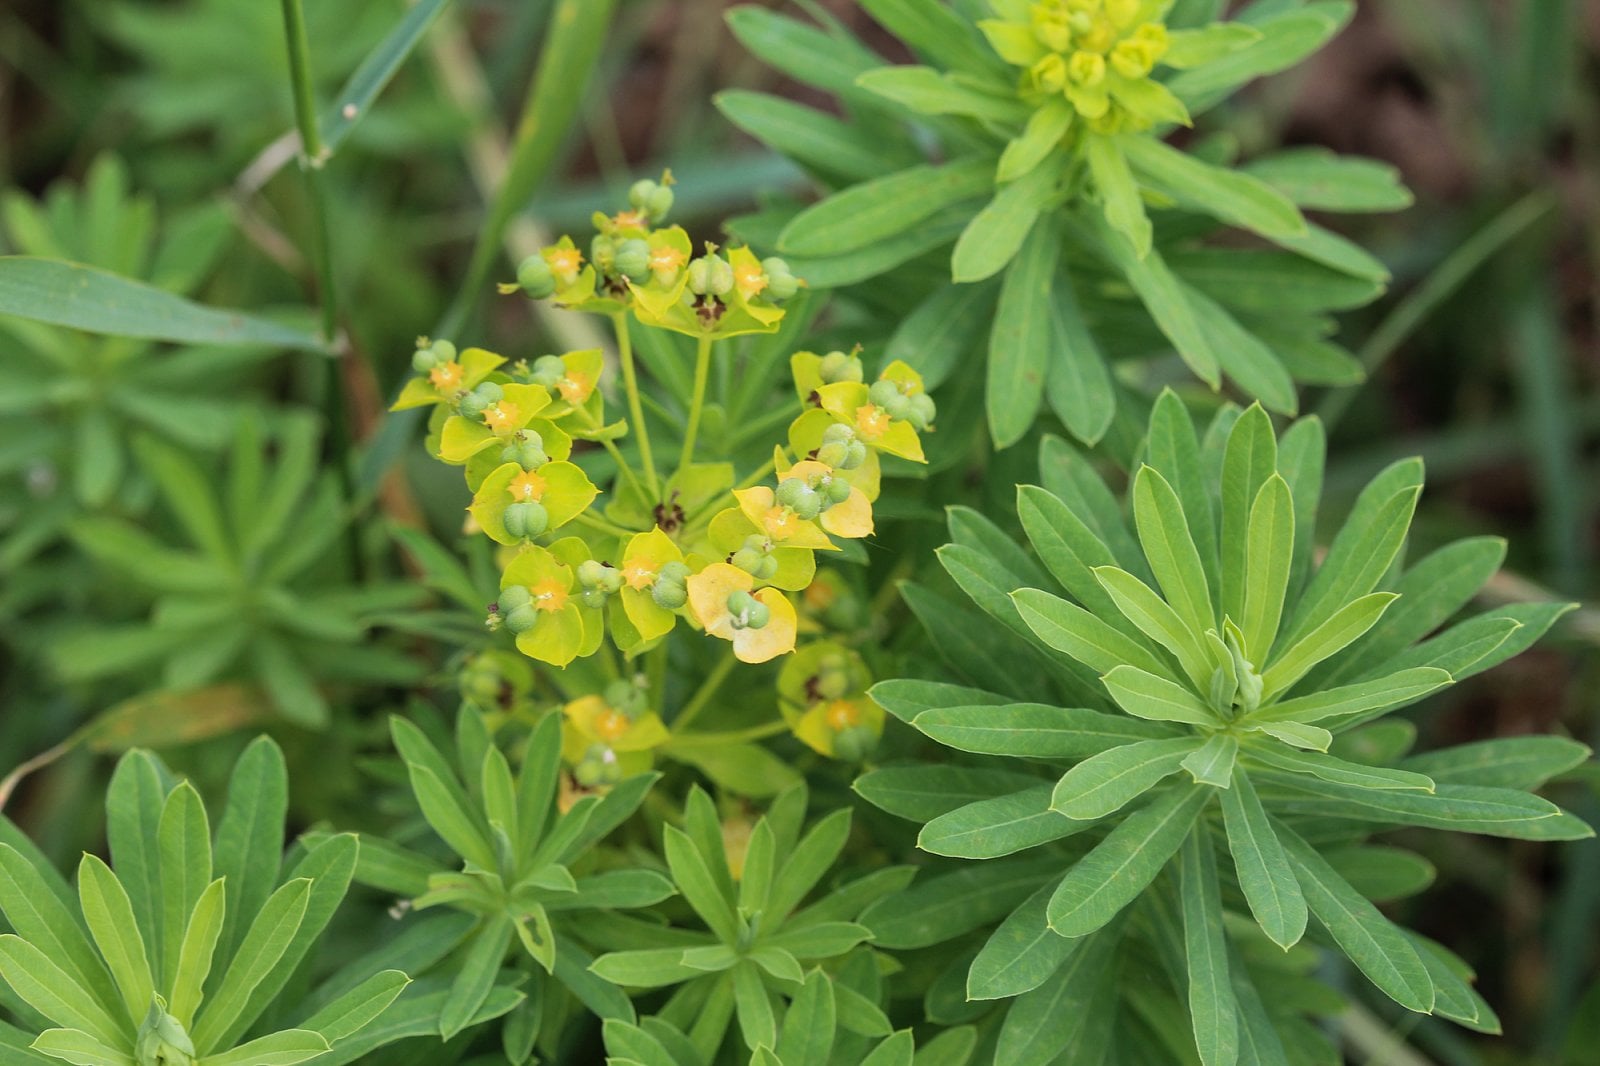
(1133, 59)
(1050, 73)
(1100, 36)
(1121, 12)
(1087, 69)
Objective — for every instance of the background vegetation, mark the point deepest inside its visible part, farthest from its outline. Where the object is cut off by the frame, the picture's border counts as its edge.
(150, 138)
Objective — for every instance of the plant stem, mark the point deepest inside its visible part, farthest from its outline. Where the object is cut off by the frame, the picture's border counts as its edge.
(601, 525)
(630, 381)
(708, 688)
(702, 369)
(312, 155)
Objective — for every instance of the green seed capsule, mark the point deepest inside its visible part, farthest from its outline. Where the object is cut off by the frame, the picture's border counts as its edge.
(791, 491)
(838, 366)
(674, 572)
(423, 360)
(669, 595)
(699, 277)
(923, 411)
(757, 616)
(747, 560)
(603, 253)
(883, 393)
(640, 192)
(839, 432)
(547, 370)
(833, 682)
(444, 351)
(833, 454)
(854, 743)
(720, 280)
(899, 407)
(589, 572)
(514, 596)
(595, 598)
(781, 284)
(472, 405)
(536, 278)
(489, 392)
(855, 456)
(632, 259)
(768, 569)
(835, 490)
(522, 619)
(659, 202)
(809, 505)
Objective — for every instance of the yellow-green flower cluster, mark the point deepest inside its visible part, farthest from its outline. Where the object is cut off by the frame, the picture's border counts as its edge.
(1096, 55)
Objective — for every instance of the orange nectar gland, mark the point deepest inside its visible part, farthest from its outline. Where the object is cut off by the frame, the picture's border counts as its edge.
(842, 715)
(638, 573)
(527, 487)
(446, 377)
(611, 725)
(780, 522)
(872, 421)
(565, 264)
(574, 387)
(750, 279)
(501, 416)
(548, 595)
(665, 259)
(819, 596)
(630, 220)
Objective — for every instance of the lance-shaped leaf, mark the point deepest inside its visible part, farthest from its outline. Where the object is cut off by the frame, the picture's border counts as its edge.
(1111, 780)
(991, 828)
(1213, 1011)
(1145, 695)
(1265, 876)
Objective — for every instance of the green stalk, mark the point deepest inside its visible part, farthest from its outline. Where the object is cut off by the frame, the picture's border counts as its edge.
(577, 29)
(630, 381)
(312, 155)
(702, 369)
(702, 697)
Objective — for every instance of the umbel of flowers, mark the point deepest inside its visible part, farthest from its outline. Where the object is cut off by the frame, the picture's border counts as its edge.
(698, 546)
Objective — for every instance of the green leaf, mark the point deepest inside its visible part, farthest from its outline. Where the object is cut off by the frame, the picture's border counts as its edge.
(1373, 943)
(76, 1046)
(1071, 550)
(1154, 617)
(1164, 533)
(1033, 730)
(1020, 340)
(270, 935)
(95, 301)
(806, 864)
(748, 769)
(1084, 636)
(43, 919)
(480, 965)
(812, 138)
(1319, 180)
(1197, 47)
(936, 337)
(1339, 771)
(249, 840)
(1073, 480)
(805, 53)
(630, 1044)
(939, 908)
(1041, 1026)
(876, 210)
(753, 1004)
(1119, 192)
(1341, 629)
(1269, 559)
(1213, 1011)
(1078, 384)
(1265, 876)
(283, 1048)
(185, 836)
(1501, 812)
(1365, 698)
(991, 828)
(196, 953)
(645, 968)
(921, 793)
(1510, 762)
(907, 697)
(1021, 954)
(1145, 695)
(109, 912)
(1114, 778)
(134, 800)
(1227, 195)
(1044, 131)
(1382, 873)
(806, 1038)
(1112, 875)
(897, 1050)
(361, 91)
(1286, 38)
(756, 881)
(927, 92)
(1005, 226)
(700, 889)
(1244, 357)
(1250, 460)
(1165, 298)
(45, 987)
(449, 815)
(1212, 763)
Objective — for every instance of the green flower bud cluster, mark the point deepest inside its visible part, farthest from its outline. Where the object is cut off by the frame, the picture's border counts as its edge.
(535, 277)
(747, 612)
(755, 558)
(598, 768)
(654, 198)
(627, 696)
(547, 371)
(833, 677)
(473, 404)
(525, 518)
(854, 743)
(526, 450)
(631, 259)
(841, 366)
(841, 449)
(781, 282)
(918, 408)
(162, 1040)
(430, 354)
(598, 580)
(515, 609)
(671, 590)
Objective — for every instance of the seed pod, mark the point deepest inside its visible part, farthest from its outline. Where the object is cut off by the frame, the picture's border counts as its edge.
(855, 456)
(835, 490)
(536, 278)
(781, 284)
(589, 572)
(740, 603)
(659, 202)
(809, 505)
(514, 596)
(669, 595)
(840, 432)
(720, 279)
(768, 569)
(515, 519)
(640, 192)
(884, 392)
(522, 618)
(603, 253)
(791, 491)
(854, 743)
(632, 259)
(832, 679)
(675, 572)
(839, 366)
(610, 579)
(538, 519)
(489, 392)
(595, 598)
(472, 405)
(444, 351)
(899, 407)
(699, 277)
(923, 411)
(747, 560)
(758, 615)
(423, 360)
(547, 370)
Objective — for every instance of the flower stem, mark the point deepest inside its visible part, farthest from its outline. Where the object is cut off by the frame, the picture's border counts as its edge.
(630, 381)
(702, 369)
(708, 688)
(602, 525)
